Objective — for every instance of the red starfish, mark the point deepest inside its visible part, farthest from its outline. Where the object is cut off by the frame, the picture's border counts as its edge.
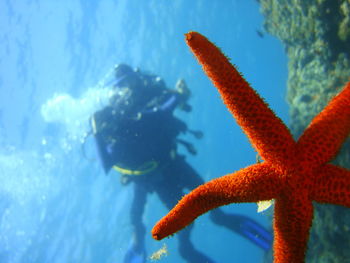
(293, 173)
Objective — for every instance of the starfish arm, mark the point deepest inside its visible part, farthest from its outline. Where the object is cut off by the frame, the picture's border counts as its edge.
(324, 136)
(332, 186)
(292, 222)
(267, 133)
(254, 183)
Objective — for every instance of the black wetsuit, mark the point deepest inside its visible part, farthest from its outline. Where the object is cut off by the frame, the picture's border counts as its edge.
(148, 133)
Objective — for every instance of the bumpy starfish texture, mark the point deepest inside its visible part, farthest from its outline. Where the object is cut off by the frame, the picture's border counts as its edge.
(293, 173)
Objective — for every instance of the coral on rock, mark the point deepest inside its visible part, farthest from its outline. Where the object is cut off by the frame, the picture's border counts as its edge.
(316, 37)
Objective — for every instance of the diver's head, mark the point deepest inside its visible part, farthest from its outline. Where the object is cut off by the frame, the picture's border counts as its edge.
(126, 77)
(122, 70)
(128, 88)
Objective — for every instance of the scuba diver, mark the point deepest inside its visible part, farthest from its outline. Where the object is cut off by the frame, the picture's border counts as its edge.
(136, 135)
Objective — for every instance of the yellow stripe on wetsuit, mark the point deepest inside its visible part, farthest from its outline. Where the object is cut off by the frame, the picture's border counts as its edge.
(144, 169)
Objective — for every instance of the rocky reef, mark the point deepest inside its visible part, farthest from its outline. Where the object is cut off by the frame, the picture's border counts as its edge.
(316, 38)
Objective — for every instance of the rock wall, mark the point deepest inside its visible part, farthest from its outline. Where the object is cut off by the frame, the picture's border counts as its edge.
(316, 37)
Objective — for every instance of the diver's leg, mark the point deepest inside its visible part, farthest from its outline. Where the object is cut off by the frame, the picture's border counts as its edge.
(179, 175)
(188, 251)
(244, 226)
(137, 253)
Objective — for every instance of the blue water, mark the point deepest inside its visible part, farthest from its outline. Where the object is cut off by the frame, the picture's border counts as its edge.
(57, 205)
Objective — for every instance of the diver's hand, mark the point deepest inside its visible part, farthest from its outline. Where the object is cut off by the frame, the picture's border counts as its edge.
(197, 134)
(184, 93)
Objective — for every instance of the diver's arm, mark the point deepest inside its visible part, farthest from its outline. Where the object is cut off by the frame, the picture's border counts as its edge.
(169, 101)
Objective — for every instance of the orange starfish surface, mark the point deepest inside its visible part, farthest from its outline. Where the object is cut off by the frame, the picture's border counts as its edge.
(293, 173)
